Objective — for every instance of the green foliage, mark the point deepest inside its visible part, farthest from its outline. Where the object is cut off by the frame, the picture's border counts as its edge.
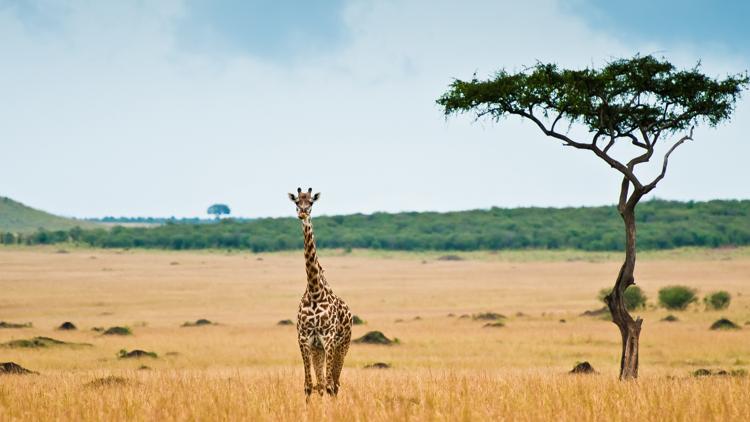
(670, 225)
(677, 297)
(33, 343)
(717, 300)
(488, 316)
(634, 297)
(670, 318)
(218, 210)
(198, 323)
(624, 96)
(375, 337)
(356, 320)
(4, 324)
(39, 343)
(118, 331)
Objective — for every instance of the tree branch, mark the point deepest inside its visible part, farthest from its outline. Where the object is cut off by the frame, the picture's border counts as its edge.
(624, 186)
(551, 133)
(644, 134)
(627, 172)
(579, 145)
(559, 115)
(649, 187)
(609, 145)
(633, 140)
(596, 137)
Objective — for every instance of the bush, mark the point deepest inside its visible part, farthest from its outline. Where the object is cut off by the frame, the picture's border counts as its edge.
(634, 297)
(677, 297)
(118, 331)
(717, 300)
(375, 337)
(488, 316)
(356, 320)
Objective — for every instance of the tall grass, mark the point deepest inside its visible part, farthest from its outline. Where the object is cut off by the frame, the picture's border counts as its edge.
(445, 368)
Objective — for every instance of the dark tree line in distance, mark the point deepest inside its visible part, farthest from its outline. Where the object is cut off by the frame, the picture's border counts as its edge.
(670, 224)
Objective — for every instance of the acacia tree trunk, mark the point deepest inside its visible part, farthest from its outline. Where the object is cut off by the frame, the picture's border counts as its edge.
(630, 329)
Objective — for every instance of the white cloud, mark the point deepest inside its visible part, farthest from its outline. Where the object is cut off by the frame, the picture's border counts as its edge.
(108, 115)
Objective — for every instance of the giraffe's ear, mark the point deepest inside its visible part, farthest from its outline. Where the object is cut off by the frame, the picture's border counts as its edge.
(292, 198)
(316, 197)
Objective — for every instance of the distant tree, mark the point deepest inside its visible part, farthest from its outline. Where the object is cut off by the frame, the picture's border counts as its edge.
(631, 107)
(218, 210)
(7, 238)
(75, 233)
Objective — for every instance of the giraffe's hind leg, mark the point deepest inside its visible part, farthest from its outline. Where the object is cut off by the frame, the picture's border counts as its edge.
(307, 362)
(330, 368)
(338, 361)
(318, 359)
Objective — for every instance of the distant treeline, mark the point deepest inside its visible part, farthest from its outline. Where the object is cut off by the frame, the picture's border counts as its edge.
(661, 225)
(155, 220)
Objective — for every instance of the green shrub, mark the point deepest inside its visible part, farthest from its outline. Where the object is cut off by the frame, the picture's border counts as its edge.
(677, 297)
(634, 297)
(356, 320)
(118, 331)
(717, 300)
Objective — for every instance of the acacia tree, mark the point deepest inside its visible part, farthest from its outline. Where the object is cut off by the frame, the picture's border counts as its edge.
(218, 210)
(643, 103)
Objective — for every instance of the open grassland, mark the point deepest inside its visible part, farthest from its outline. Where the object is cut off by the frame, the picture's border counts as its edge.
(444, 368)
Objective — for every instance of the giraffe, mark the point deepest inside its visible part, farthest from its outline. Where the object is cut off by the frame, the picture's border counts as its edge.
(324, 322)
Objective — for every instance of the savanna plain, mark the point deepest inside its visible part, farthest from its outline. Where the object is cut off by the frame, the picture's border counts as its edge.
(443, 367)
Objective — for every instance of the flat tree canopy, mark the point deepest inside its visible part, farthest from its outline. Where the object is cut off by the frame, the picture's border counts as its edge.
(218, 209)
(639, 100)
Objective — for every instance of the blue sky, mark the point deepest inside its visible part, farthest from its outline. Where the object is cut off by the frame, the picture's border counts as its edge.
(162, 108)
(278, 30)
(719, 24)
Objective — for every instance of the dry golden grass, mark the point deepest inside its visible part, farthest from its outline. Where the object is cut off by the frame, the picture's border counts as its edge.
(445, 368)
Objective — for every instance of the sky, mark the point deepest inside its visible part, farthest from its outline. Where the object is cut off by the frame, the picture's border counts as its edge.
(164, 108)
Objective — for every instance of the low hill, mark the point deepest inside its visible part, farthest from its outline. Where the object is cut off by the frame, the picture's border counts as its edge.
(661, 225)
(16, 217)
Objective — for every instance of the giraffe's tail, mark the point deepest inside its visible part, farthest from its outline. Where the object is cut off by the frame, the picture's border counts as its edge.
(317, 342)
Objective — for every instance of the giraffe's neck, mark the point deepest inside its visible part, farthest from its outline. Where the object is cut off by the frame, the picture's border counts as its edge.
(315, 281)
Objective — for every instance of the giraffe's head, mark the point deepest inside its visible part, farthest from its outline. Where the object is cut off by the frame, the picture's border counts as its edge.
(304, 202)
